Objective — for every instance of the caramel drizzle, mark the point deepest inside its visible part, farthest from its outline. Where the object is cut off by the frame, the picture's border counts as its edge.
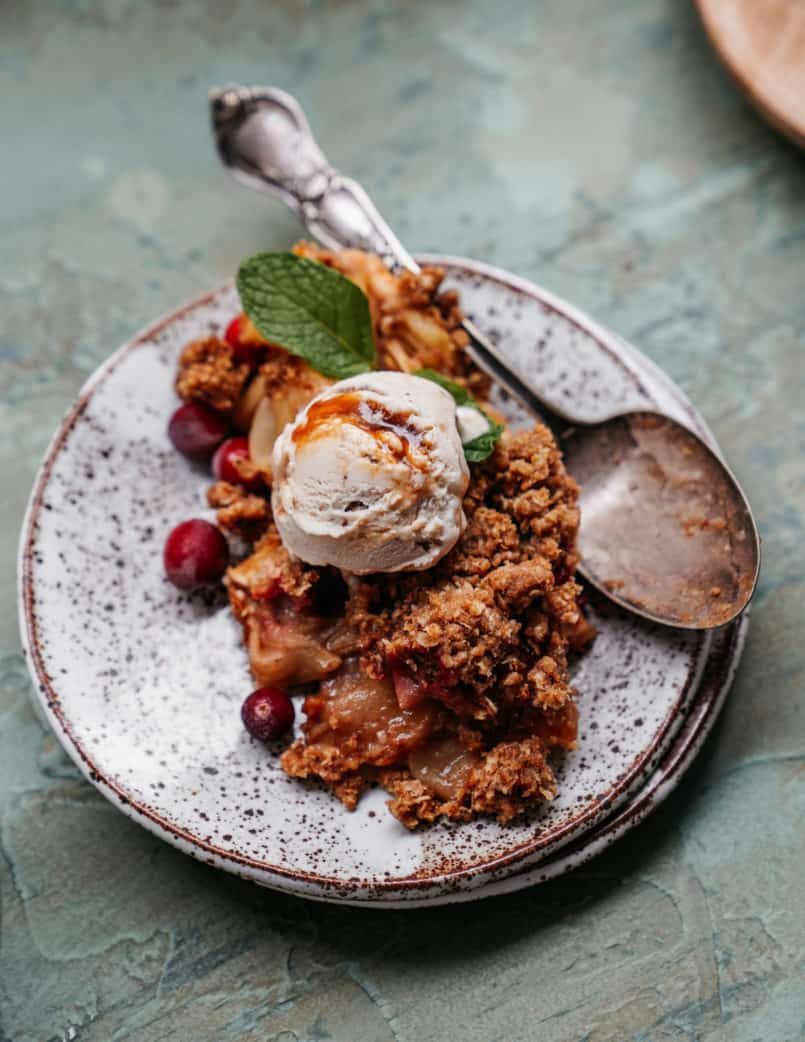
(373, 418)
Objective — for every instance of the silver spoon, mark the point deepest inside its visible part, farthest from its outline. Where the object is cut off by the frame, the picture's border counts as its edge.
(666, 531)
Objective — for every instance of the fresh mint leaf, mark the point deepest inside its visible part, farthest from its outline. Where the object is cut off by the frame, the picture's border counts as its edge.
(477, 449)
(310, 310)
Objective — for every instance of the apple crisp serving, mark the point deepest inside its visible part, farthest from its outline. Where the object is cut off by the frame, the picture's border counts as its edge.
(448, 685)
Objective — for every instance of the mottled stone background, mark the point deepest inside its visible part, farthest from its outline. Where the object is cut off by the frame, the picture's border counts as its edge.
(595, 147)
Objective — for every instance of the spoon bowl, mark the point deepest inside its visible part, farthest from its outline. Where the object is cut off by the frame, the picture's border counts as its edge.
(666, 531)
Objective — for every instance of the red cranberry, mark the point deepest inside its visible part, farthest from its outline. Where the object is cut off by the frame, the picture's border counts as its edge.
(267, 713)
(196, 554)
(242, 349)
(196, 430)
(232, 334)
(224, 460)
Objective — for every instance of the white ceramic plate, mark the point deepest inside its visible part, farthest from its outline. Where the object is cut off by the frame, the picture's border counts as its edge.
(143, 685)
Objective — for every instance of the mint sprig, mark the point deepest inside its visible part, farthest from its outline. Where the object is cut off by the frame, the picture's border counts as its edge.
(477, 449)
(310, 310)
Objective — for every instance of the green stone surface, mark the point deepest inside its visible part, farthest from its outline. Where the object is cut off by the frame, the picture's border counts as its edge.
(594, 147)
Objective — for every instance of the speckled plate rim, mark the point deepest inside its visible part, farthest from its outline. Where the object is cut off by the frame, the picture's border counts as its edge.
(300, 882)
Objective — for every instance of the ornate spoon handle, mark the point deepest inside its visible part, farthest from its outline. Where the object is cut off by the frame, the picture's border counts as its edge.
(264, 138)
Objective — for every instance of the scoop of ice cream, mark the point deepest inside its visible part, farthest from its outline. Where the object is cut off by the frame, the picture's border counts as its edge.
(370, 476)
